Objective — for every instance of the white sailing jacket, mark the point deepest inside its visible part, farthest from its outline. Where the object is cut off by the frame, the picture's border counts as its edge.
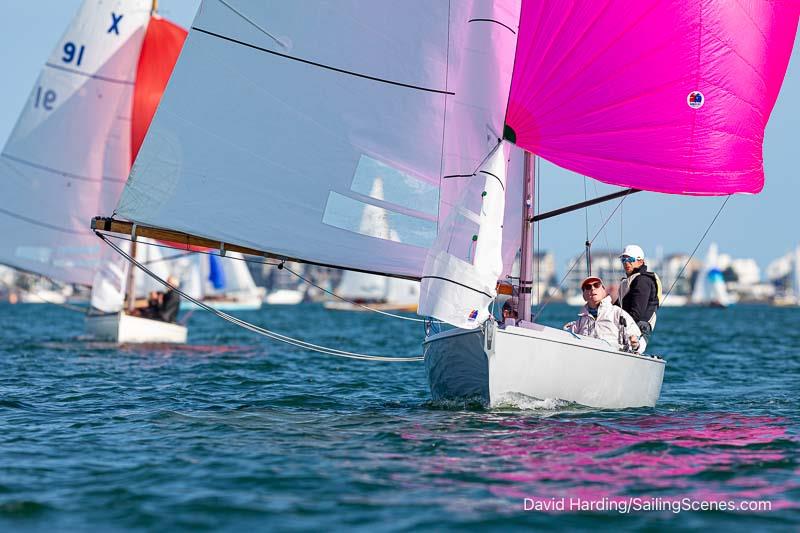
(607, 325)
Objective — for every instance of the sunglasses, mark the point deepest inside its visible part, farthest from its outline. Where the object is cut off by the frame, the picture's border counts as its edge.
(594, 285)
(627, 259)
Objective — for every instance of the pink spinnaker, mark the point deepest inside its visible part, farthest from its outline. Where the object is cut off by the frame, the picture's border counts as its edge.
(602, 88)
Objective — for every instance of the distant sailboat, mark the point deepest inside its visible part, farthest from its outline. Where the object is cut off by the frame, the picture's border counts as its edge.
(284, 287)
(71, 149)
(359, 290)
(312, 109)
(709, 288)
(224, 283)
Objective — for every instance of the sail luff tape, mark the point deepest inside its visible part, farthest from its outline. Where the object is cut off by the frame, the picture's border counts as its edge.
(133, 232)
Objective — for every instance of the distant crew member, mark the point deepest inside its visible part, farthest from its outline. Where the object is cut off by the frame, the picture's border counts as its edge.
(170, 302)
(601, 319)
(640, 290)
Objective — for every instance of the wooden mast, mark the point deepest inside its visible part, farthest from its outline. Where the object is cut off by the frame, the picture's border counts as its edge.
(130, 289)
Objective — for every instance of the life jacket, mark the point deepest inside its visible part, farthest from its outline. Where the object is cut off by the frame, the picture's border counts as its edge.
(625, 284)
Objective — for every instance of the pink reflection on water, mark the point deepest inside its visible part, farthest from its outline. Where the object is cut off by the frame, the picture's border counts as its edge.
(701, 456)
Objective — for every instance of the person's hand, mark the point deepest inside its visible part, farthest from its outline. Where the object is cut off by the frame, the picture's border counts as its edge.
(568, 325)
(634, 342)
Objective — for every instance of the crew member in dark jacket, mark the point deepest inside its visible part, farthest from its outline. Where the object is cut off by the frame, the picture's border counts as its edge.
(171, 302)
(640, 290)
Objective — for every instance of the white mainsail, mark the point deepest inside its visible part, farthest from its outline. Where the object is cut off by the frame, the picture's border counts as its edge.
(68, 154)
(412, 91)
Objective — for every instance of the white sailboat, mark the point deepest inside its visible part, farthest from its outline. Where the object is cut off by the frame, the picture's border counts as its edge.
(284, 287)
(224, 283)
(275, 127)
(359, 290)
(709, 287)
(118, 289)
(71, 149)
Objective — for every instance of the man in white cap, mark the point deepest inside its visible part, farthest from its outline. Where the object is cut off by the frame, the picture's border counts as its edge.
(640, 290)
(601, 319)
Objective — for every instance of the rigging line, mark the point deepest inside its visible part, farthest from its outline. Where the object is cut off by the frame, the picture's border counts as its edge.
(538, 230)
(326, 291)
(586, 209)
(605, 233)
(719, 211)
(254, 24)
(252, 327)
(575, 263)
(262, 262)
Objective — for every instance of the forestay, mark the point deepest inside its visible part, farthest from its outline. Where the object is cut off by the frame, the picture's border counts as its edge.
(277, 122)
(68, 155)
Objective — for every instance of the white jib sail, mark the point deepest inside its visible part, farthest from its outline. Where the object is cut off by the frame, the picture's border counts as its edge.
(280, 115)
(461, 272)
(54, 171)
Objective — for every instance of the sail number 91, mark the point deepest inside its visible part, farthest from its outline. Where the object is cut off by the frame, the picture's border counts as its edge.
(72, 52)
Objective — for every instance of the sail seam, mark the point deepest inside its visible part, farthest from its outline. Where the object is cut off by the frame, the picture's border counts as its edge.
(458, 283)
(322, 65)
(42, 224)
(509, 28)
(61, 172)
(93, 76)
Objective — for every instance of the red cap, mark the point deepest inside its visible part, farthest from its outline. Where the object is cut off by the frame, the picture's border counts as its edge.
(590, 278)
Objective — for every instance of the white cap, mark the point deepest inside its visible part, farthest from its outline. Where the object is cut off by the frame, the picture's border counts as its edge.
(633, 251)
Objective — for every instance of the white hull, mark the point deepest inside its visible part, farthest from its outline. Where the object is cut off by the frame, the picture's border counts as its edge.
(540, 363)
(576, 300)
(42, 296)
(122, 328)
(337, 305)
(241, 303)
(675, 300)
(284, 297)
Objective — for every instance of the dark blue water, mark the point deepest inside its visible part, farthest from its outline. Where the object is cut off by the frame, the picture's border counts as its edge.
(235, 432)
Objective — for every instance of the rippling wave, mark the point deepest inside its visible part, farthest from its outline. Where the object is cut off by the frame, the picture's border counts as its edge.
(234, 432)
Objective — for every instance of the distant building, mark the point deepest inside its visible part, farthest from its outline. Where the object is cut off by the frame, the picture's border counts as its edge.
(605, 265)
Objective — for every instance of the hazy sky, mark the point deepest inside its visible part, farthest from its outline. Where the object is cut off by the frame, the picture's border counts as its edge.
(761, 226)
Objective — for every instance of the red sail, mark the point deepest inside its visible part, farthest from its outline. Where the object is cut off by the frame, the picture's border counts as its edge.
(162, 45)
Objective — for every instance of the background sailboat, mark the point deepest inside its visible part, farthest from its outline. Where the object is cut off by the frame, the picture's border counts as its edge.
(359, 289)
(72, 147)
(709, 287)
(224, 283)
(285, 288)
(313, 109)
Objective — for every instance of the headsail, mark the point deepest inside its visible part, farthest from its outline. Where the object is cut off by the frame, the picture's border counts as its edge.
(58, 166)
(667, 96)
(463, 267)
(275, 125)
